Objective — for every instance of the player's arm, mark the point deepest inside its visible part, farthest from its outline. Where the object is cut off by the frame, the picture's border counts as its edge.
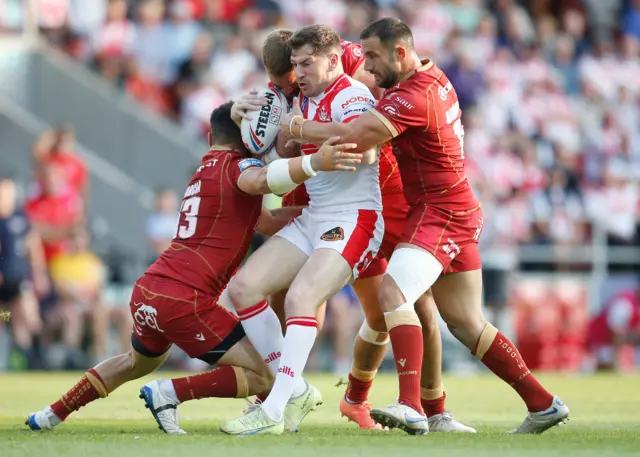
(394, 113)
(284, 175)
(271, 221)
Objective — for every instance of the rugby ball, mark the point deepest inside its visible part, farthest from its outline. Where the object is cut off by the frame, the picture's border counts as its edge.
(259, 134)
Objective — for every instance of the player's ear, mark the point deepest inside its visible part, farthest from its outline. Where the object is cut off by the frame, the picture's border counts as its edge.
(209, 139)
(400, 53)
(334, 61)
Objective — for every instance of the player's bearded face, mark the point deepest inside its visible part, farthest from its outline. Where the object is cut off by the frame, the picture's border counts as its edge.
(314, 72)
(380, 62)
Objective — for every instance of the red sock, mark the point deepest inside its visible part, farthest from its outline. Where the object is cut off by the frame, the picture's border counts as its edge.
(261, 398)
(89, 388)
(221, 382)
(433, 407)
(406, 341)
(504, 360)
(357, 390)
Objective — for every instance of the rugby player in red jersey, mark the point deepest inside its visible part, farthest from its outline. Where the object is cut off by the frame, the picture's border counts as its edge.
(438, 249)
(175, 301)
(371, 342)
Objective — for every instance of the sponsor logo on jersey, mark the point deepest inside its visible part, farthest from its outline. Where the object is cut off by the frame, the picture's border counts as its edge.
(443, 92)
(403, 102)
(303, 105)
(354, 111)
(358, 99)
(265, 114)
(335, 234)
(247, 163)
(193, 189)
(391, 110)
(357, 51)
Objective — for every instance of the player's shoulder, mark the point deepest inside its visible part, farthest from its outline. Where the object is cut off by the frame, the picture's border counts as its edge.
(350, 51)
(350, 87)
(429, 77)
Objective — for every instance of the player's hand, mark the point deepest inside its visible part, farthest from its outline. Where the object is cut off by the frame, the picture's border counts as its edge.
(331, 156)
(285, 119)
(248, 102)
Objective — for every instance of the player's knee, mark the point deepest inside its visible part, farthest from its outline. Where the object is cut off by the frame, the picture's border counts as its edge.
(376, 321)
(390, 296)
(297, 303)
(242, 292)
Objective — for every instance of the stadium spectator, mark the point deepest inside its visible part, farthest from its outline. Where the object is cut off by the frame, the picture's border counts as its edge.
(161, 225)
(78, 278)
(23, 273)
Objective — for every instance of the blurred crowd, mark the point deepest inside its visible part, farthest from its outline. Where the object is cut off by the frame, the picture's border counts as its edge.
(550, 91)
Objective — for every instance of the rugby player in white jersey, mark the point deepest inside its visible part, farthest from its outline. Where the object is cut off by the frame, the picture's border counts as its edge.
(334, 239)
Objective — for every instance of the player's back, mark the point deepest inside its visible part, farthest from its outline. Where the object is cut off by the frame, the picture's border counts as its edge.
(343, 101)
(215, 227)
(423, 113)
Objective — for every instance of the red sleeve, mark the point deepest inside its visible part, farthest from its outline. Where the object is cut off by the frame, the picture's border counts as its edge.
(352, 57)
(401, 108)
(238, 165)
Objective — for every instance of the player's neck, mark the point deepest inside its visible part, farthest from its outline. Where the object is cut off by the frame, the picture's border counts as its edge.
(410, 65)
(333, 76)
(223, 147)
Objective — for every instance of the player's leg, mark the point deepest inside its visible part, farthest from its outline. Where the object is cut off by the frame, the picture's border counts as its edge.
(270, 269)
(97, 383)
(411, 272)
(25, 321)
(458, 296)
(432, 394)
(325, 273)
(368, 352)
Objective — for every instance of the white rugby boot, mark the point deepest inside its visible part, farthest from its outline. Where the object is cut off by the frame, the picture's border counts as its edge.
(158, 400)
(538, 422)
(446, 423)
(403, 417)
(254, 421)
(297, 408)
(43, 420)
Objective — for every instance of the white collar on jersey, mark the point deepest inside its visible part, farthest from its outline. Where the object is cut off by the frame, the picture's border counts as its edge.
(318, 98)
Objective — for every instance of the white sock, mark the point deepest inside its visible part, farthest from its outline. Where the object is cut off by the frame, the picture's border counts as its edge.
(301, 334)
(167, 389)
(263, 329)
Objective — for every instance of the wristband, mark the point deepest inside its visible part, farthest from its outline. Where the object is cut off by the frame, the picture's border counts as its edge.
(307, 167)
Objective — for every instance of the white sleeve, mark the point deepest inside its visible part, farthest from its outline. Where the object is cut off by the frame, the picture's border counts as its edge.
(351, 102)
(620, 314)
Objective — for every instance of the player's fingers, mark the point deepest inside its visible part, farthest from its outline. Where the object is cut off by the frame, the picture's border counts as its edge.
(331, 141)
(345, 167)
(342, 147)
(350, 160)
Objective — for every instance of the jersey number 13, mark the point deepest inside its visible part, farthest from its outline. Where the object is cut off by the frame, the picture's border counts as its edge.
(190, 208)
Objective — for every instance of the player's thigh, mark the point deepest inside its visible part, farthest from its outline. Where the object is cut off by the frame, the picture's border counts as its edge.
(244, 355)
(459, 300)
(367, 290)
(269, 269)
(144, 364)
(324, 274)
(411, 272)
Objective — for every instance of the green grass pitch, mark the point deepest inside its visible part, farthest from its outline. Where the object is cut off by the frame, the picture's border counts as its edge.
(605, 420)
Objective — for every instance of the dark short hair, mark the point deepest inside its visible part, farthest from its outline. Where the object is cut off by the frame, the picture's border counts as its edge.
(276, 52)
(223, 129)
(389, 30)
(322, 38)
